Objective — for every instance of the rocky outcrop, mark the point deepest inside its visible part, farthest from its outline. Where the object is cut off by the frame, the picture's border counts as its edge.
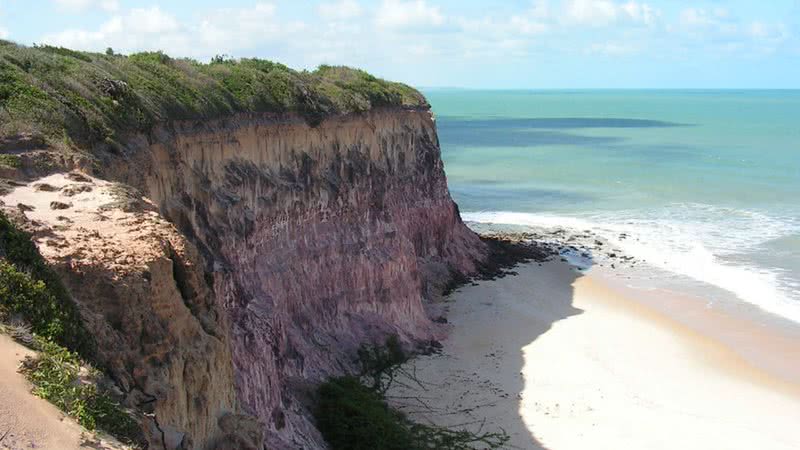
(309, 242)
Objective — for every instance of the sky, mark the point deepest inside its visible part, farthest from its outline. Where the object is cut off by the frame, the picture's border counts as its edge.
(512, 44)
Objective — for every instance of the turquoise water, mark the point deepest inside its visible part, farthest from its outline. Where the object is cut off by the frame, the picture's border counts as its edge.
(709, 181)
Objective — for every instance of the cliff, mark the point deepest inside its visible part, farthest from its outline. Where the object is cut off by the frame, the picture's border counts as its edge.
(141, 291)
(227, 264)
(321, 238)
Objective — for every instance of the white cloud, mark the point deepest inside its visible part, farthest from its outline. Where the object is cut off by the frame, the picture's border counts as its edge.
(408, 14)
(715, 23)
(540, 9)
(533, 21)
(694, 17)
(590, 12)
(700, 18)
(341, 10)
(137, 29)
(768, 32)
(501, 32)
(641, 12)
(225, 30)
(721, 29)
(361, 33)
(237, 28)
(607, 12)
(613, 48)
(83, 5)
(3, 31)
(526, 25)
(150, 21)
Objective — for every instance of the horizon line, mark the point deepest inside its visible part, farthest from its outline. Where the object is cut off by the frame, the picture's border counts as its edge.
(457, 88)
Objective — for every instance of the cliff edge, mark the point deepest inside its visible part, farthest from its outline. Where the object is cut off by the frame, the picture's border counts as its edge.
(230, 255)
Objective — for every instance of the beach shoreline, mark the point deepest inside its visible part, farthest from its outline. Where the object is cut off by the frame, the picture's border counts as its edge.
(566, 356)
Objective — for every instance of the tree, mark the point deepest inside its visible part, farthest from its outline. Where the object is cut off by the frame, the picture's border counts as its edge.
(222, 59)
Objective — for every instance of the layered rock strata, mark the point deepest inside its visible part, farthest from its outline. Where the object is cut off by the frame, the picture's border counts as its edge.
(320, 239)
(310, 241)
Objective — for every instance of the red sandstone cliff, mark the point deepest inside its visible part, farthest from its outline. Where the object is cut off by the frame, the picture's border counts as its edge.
(320, 238)
(311, 240)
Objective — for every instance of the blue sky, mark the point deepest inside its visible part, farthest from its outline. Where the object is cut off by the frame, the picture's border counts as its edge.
(467, 43)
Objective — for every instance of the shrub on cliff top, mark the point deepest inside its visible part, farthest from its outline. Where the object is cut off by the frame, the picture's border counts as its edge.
(30, 289)
(83, 99)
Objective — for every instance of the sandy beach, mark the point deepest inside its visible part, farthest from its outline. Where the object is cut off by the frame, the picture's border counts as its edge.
(561, 359)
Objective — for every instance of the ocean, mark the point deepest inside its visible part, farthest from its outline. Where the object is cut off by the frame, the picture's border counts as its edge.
(705, 182)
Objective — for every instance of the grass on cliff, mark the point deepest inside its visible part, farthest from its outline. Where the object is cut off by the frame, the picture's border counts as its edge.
(85, 100)
(30, 289)
(352, 412)
(62, 378)
(9, 161)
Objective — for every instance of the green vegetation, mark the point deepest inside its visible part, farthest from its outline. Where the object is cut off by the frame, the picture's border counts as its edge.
(60, 377)
(87, 101)
(352, 412)
(10, 161)
(379, 365)
(30, 289)
(353, 416)
(32, 292)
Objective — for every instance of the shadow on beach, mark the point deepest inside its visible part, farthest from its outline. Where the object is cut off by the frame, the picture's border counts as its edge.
(476, 382)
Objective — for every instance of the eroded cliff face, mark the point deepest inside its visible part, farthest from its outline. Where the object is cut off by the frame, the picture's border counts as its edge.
(319, 239)
(263, 253)
(141, 291)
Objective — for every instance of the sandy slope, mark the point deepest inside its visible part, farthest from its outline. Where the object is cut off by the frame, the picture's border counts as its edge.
(565, 362)
(27, 421)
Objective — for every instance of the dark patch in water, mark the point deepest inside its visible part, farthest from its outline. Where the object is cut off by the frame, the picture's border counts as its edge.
(556, 123)
(476, 194)
(508, 137)
(673, 154)
(521, 132)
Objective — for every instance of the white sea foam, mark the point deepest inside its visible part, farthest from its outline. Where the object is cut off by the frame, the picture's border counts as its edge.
(690, 240)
